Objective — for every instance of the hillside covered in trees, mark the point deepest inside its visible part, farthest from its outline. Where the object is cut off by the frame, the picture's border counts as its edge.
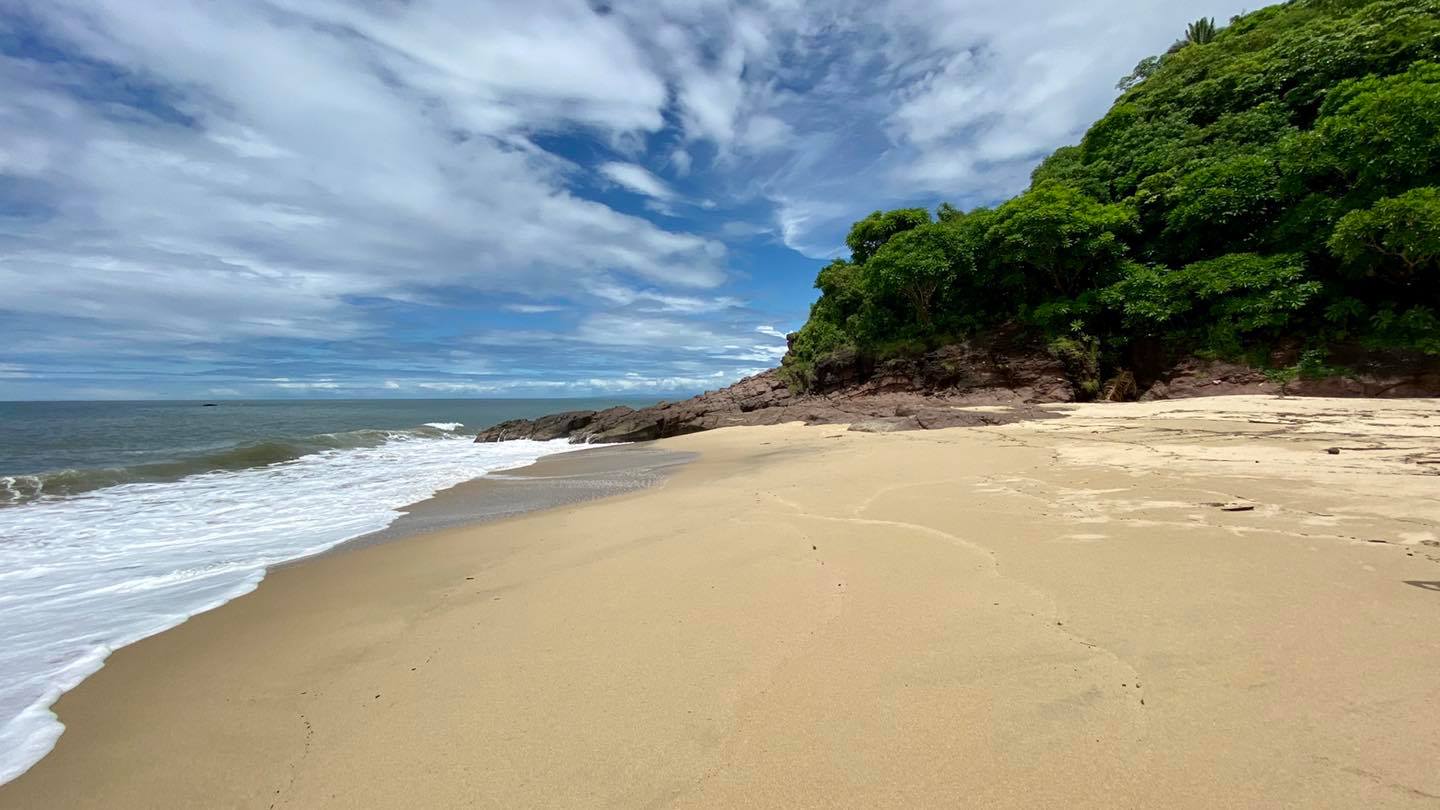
(1267, 191)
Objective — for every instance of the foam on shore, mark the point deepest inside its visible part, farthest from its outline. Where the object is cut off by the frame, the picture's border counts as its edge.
(85, 575)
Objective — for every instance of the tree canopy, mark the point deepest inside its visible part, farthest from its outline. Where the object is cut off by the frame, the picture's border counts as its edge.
(1275, 181)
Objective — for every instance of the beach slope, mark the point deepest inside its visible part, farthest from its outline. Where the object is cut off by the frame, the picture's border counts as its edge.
(1180, 604)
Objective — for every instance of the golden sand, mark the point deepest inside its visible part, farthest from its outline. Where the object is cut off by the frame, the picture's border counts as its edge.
(1186, 604)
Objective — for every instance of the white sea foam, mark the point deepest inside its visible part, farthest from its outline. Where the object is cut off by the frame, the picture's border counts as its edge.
(450, 426)
(82, 576)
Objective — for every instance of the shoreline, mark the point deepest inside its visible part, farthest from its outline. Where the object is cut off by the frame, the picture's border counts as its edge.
(1063, 611)
(561, 479)
(589, 472)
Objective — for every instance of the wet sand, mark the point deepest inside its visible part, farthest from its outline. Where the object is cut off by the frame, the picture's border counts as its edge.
(1190, 604)
(563, 479)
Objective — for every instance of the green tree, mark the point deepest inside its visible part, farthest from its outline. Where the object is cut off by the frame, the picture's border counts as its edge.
(839, 284)
(1067, 238)
(1384, 132)
(1222, 204)
(870, 233)
(1216, 301)
(915, 264)
(1397, 237)
(1200, 32)
(1144, 70)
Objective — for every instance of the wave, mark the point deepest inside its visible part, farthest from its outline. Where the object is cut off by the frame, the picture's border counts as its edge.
(83, 576)
(21, 489)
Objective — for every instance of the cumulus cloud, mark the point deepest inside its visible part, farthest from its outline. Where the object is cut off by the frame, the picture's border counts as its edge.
(275, 162)
(249, 185)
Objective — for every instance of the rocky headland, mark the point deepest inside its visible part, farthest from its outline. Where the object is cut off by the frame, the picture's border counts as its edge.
(978, 382)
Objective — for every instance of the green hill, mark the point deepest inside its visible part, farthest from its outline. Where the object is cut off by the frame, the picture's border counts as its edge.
(1268, 189)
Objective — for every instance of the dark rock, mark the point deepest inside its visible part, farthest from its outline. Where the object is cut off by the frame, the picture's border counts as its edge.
(544, 428)
(1002, 367)
(1388, 376)
(1208, 378)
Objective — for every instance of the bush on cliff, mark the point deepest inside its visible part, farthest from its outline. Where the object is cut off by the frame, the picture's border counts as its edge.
(1275, 182)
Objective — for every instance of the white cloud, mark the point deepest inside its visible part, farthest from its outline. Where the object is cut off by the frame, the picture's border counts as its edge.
(534, 309)
(627, 384)
(637, 179)
(681, 160)
(765, 132)
(622, 330)
(314, 152)
(306, 385)
(655, 301)
(771, 331)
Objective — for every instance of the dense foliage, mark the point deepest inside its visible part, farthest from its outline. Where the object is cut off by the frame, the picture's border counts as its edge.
(1272, 182)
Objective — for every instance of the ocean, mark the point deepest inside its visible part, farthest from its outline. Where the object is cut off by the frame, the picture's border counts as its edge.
(121, 519)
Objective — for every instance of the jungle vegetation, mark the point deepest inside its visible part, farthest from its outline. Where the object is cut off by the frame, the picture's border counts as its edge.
(1275, 181)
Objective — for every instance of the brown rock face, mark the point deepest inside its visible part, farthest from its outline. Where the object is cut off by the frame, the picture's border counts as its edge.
(1373, 377)
(1205, 378)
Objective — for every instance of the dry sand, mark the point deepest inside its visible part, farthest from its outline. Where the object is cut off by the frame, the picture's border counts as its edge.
(1053, 614)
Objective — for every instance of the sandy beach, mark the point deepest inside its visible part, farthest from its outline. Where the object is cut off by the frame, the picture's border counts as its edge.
(1171, 604)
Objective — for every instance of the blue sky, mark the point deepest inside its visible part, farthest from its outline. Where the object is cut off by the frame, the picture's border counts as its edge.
(290, 198)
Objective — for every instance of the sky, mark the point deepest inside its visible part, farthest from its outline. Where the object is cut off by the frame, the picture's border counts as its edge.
(460, 198)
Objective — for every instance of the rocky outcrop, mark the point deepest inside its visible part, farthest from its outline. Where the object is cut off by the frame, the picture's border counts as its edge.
(544, 428)
(1201, 378)
(1010, 378)
(999, 369)
(1369, 377)
(930, 391)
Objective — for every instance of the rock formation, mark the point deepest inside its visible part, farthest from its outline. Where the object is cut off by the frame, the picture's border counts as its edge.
(941, 388)
(927, 392)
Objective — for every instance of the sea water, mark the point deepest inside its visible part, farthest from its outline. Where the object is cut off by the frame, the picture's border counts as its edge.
(120, 520)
